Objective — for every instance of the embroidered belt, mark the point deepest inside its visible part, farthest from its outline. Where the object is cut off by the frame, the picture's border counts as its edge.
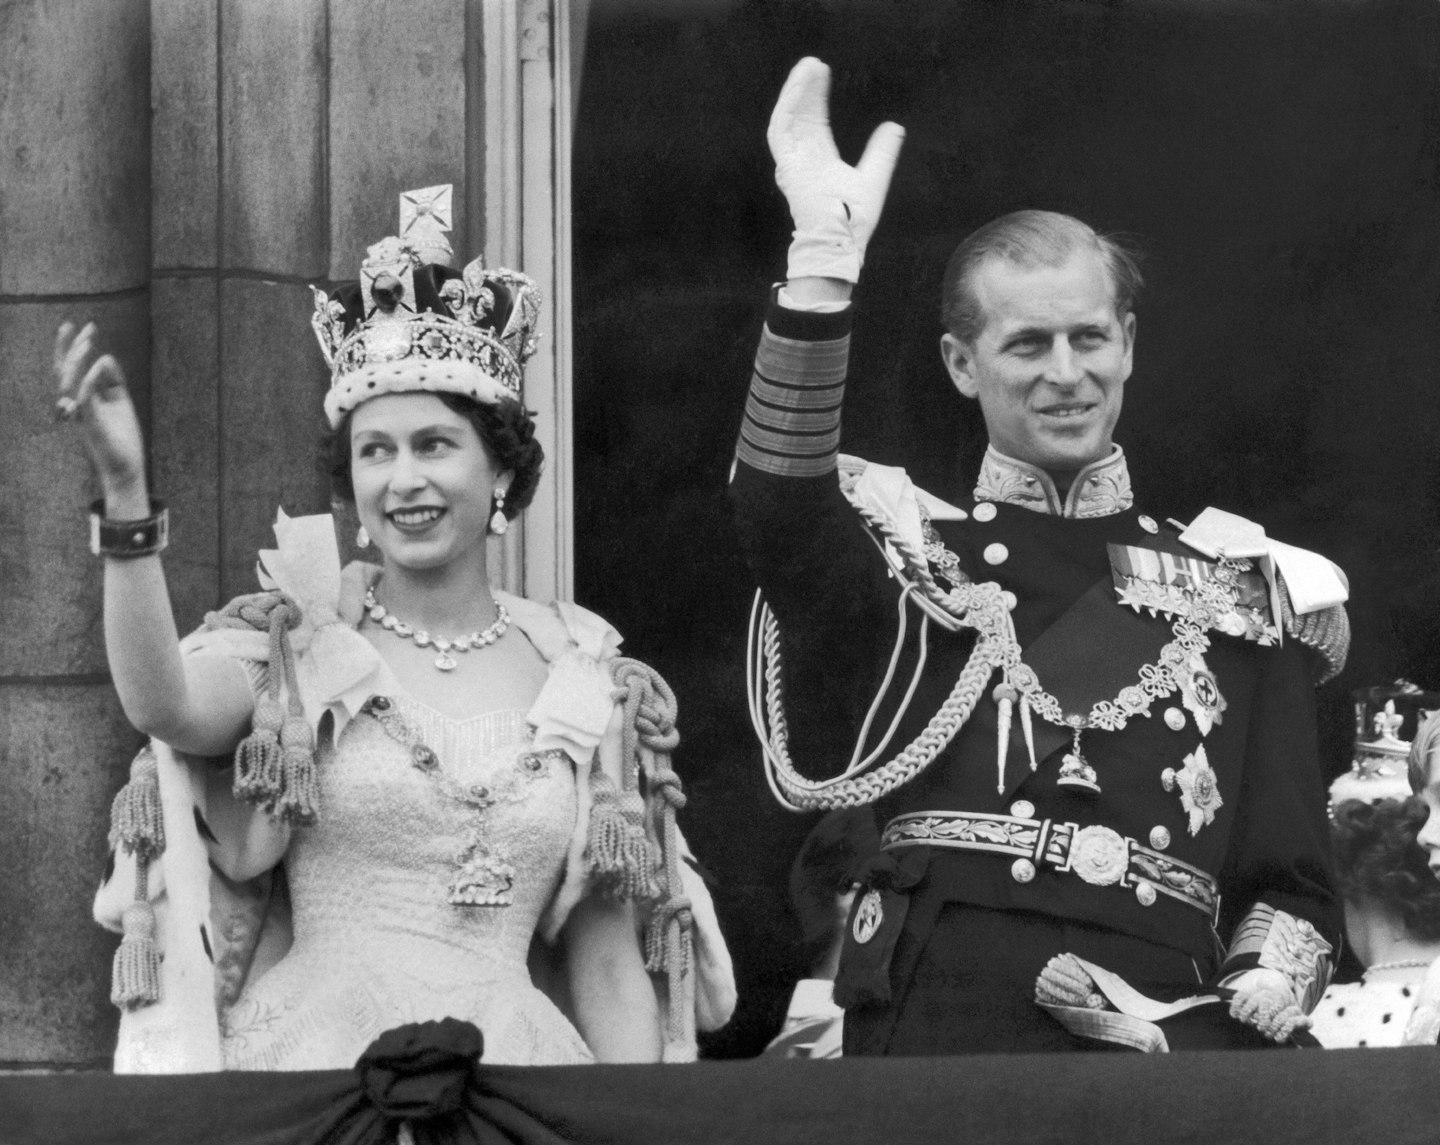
(1097, 855)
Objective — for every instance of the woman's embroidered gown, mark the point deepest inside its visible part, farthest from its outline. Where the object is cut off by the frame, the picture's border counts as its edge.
(378, 941)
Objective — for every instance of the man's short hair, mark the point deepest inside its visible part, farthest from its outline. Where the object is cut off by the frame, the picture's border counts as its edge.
(1028, 239)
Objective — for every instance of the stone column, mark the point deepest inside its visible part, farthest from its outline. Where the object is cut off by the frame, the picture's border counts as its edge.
(74, 243)
(274, 58)
(180, 171)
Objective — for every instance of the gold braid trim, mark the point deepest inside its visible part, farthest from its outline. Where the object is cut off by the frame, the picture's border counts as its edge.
(1276, 940)
(979, 606)
(1326, 633)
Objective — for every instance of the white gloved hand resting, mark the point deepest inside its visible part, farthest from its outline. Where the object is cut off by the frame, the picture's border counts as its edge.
(1265, 1000)
(835, 207)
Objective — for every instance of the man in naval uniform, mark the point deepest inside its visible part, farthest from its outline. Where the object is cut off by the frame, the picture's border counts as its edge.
(1090, 736)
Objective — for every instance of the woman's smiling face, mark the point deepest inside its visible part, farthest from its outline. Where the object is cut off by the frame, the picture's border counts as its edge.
(424, 481)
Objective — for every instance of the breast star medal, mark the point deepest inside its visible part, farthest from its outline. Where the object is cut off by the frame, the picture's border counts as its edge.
(1199, 791)
(1200, 693)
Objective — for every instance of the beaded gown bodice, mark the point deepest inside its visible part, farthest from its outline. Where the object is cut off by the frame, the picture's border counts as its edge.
(416, 894)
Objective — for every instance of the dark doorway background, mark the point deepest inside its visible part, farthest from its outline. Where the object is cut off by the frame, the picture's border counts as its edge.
(1276, 160)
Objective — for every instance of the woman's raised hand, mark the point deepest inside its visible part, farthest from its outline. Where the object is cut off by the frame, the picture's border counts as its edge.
(93, 394)
(199, 704)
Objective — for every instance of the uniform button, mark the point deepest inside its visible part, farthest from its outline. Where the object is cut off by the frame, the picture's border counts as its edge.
(1022, 809)
(1022, 870)
(1149, 525)
(996, 554)
(1174, 719)
(985, 511)
(1159, 838)
(1145, 893)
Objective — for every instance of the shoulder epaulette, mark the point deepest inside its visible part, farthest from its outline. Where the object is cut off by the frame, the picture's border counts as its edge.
(1323, 626)
(904, 549)
(1326, 632)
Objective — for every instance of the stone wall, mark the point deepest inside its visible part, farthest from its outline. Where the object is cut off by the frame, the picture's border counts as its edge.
(180, 172)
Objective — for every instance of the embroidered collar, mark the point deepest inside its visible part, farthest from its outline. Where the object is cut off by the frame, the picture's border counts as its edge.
(1101, 489)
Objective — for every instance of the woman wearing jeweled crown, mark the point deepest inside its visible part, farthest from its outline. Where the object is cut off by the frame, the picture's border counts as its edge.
(442, 771)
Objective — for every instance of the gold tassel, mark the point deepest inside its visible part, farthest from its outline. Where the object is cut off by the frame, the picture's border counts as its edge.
(641, 860)
(605, 845)
(136, 822)
(622, 858)
(638, 853)
(137, 825)
(299, 795)
(258, 767)
(135, 976)
(275, 763)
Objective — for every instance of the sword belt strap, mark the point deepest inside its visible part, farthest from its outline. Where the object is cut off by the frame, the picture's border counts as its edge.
(1098, 855)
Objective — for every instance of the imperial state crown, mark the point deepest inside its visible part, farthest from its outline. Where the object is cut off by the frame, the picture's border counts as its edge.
(413, 322)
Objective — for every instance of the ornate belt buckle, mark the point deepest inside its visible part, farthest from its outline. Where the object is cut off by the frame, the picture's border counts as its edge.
(1099, 855)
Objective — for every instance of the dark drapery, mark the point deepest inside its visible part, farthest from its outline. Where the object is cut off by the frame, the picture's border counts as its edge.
(1277, 159)
(1314, 1097)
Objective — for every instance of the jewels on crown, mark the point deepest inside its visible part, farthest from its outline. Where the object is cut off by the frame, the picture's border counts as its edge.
(491, 324)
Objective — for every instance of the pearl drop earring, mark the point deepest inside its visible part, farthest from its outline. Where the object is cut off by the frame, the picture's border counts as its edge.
(498, 521)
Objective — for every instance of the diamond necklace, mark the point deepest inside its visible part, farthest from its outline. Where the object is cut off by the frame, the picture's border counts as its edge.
(442, 644)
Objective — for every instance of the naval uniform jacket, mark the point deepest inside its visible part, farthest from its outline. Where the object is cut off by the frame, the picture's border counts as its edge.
(835, 600)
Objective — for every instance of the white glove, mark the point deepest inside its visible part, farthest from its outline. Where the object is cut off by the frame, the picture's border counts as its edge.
(1264, 999)
(835, 207)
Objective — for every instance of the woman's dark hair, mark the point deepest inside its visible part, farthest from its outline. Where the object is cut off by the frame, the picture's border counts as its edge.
(507, 428)
(1377, 858)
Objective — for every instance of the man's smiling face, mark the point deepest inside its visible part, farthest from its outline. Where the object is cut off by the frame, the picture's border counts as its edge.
(1050, 362)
